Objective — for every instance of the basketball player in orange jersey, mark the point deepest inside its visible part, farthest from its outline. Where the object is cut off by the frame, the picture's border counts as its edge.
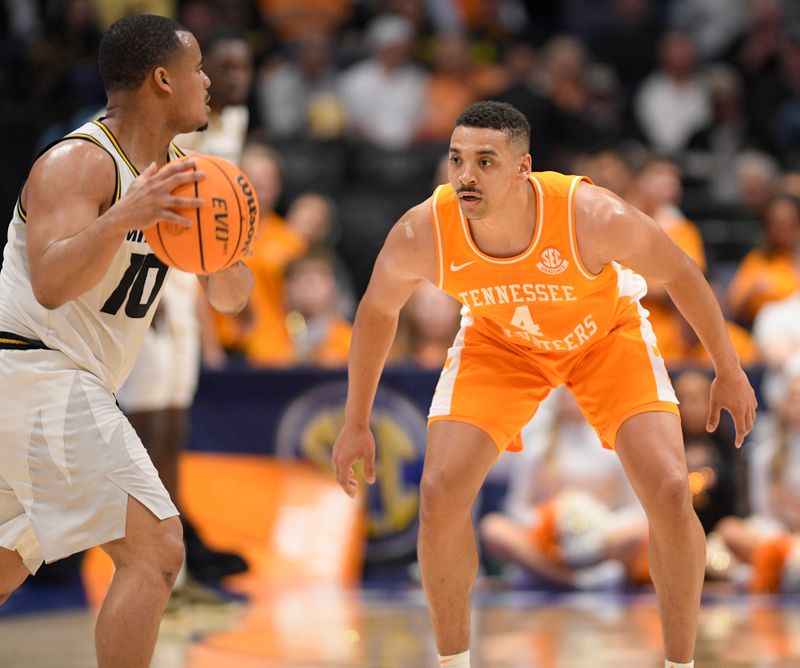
(78, 290)
(544, 266)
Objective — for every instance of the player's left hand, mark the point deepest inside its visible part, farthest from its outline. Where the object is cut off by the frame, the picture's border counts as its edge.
(732, 391)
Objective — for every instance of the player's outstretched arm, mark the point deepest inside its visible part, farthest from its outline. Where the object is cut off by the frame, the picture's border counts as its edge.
(608, 228)
(73, 231)
(407, 257)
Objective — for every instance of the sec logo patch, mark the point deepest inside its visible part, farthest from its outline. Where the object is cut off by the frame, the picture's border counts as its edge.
(551, 261)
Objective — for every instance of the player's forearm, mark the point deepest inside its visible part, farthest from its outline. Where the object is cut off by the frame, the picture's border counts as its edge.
(373, 334)
(69, 267)
(229, 290)
(696, 301)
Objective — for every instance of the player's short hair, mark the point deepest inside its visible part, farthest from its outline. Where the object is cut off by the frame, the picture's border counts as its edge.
(133, 46)
(498, 116)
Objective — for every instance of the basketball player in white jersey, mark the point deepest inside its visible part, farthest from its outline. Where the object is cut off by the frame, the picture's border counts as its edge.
(78, 289)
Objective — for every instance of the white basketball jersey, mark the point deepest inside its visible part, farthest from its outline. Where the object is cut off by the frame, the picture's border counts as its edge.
(102, 329)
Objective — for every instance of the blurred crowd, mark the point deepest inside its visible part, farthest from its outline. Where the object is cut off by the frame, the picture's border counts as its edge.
(340, 112)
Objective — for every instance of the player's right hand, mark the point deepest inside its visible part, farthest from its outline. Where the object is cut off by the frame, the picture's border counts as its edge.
(150, 198)
(352, 445)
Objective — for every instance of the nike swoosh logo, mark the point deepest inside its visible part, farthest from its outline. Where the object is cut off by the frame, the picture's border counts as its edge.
(459, 267)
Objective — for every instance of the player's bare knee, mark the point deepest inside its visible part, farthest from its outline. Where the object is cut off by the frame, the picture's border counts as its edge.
(670, 500)
(437, 503)
(169, 550)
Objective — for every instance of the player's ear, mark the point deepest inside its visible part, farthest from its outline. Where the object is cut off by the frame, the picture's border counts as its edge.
(161, 79)
(525, 165)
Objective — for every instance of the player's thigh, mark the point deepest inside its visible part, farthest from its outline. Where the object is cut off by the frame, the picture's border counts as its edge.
(493, 389)
(458, 456)
(650, 447)
(621, 376)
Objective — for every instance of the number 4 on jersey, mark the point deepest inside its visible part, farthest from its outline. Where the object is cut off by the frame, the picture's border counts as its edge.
(522, 320)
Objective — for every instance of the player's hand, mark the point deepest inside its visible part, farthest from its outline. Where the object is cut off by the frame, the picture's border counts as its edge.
(732, 391)
(353, 444)
(150, 198)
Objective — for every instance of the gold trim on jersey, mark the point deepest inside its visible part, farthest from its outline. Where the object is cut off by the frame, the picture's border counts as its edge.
(114, 141)
(21, 212)
(178, 151)
(10, 341)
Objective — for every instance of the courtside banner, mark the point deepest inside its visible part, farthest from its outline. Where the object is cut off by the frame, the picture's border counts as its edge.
(297, 414)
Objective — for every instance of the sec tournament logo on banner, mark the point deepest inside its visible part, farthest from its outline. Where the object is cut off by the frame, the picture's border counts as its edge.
(308, 428)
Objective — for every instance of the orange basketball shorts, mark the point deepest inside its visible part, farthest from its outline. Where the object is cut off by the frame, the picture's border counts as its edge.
(497, 386)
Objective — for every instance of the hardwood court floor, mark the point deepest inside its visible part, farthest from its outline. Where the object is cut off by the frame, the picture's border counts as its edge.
(318, 628)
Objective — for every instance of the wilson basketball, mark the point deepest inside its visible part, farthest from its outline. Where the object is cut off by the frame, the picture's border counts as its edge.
(225, 225)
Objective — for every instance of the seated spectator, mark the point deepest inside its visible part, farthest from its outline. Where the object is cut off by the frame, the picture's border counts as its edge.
(656, 191)
(449, 89)
(672, 103)
(298, 95)
(320, 336)
(608, 169)
(263, 167)
(567, 479)
(712, 150)
(777, 333)
(765, 547)
(428, 325)
(768, 273)
(383, 94)
(756, 175)
(268, 340)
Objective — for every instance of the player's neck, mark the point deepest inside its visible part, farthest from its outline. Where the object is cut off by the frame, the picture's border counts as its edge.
(141, 133)
(508, 230)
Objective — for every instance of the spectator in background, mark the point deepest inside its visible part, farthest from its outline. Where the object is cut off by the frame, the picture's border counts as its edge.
(568, 479)
(428, 323)
(319, 335)
(297, 97)
(525, 92)
(712, 151)
(108, 11)
(448, 89)
(672, 103)
(756, 174)
(656, 190)
(228, 62)
(297, 20)
(566, 85)
(768, 273)
(628, 44)
(383, 95)
(264, 310)
(768, 542)
(268, 339)
(607, 169)
(777, 333)
(712, 24)
(717, 477)
(784, 122)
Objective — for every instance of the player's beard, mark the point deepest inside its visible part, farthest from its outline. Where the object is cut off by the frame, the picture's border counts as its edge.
(203, 127)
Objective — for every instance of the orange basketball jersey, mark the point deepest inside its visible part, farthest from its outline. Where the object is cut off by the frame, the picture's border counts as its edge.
(543, 301)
